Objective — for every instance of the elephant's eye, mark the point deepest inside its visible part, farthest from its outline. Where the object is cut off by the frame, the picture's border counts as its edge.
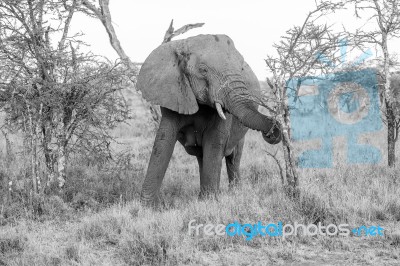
(203, 71)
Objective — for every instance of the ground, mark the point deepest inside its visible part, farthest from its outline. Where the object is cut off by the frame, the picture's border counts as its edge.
(126, 233)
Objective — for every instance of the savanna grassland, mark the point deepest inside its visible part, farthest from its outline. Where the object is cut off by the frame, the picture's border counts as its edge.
(99, 221)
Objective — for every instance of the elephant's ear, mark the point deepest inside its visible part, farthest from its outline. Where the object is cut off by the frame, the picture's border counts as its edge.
(162, 81)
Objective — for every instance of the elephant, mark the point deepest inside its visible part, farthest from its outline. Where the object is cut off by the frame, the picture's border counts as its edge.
(205, 90)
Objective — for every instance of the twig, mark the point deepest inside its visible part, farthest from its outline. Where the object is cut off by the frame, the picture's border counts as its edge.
(279, 165)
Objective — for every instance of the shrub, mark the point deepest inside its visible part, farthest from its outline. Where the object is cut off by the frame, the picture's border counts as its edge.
(11, 244)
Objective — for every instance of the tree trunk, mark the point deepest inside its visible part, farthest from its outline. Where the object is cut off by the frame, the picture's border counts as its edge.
(391, 137)
(292, 180)
(33, 143)
(5, 190)
(291, 173)
(7, 175)
(49, 160)
(61, 163)
(390, 116)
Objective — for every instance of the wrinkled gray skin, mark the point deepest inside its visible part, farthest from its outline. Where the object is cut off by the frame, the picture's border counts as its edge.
(190, 79)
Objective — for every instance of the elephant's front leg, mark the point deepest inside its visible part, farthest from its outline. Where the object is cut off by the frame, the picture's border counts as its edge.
(162, 150)
(210, 166)
(233, 164)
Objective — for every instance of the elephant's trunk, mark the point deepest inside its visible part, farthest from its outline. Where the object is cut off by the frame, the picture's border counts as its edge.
(239, 104)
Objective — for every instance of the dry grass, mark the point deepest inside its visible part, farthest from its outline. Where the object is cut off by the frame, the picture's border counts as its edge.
(129, 234)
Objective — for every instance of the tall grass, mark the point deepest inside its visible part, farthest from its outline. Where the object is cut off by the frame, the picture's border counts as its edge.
(99, 221)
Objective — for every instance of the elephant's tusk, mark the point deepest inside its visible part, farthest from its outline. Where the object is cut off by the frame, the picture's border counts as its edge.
(219, 110)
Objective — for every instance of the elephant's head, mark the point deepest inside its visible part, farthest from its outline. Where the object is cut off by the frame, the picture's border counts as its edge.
(205, 69)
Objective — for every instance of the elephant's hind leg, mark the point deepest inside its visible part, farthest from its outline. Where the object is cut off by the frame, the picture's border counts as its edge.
(162, 151)
(233, 163)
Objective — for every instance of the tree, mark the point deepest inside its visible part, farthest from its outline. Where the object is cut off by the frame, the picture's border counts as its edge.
(299, 55)
(63, 100)
(386, 14)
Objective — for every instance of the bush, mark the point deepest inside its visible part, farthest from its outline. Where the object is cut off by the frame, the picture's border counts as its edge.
(54, 207)
(11, 244)
(89, 187)
(72, 253)
(13, 211)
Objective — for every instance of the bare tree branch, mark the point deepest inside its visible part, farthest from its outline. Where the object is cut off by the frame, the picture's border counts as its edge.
(170, 33)
(67, 25)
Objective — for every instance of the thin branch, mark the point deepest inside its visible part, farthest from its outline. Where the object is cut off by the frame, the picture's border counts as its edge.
(170, 33)
(67, 25)
(278, 163)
